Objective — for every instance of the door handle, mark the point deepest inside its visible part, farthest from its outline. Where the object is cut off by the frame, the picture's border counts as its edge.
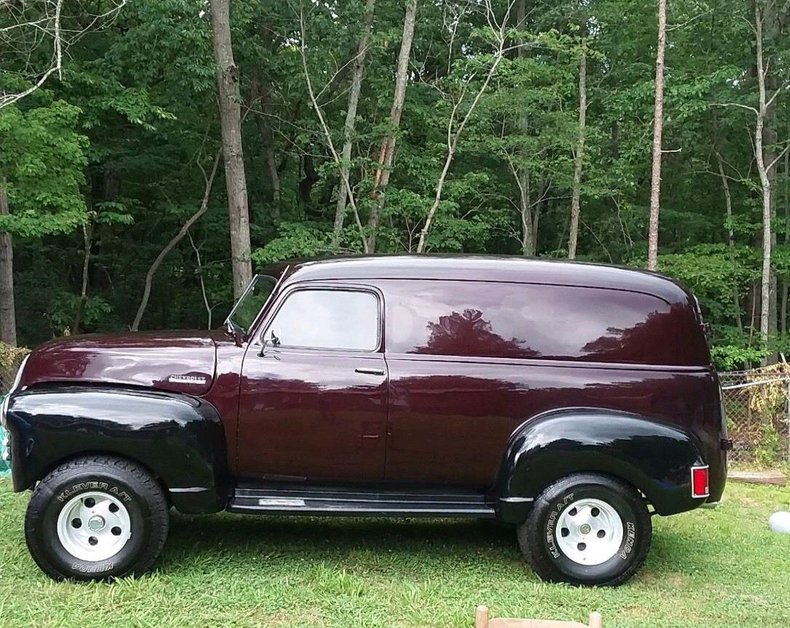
(379, 372)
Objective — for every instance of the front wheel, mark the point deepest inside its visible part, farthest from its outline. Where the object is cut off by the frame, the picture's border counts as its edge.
(587, 529)
(95, 518)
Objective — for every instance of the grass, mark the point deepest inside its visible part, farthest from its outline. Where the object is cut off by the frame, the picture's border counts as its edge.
(706, 568)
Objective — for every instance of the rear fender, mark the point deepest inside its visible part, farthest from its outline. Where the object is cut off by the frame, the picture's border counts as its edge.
(179, 438)
(653, 457)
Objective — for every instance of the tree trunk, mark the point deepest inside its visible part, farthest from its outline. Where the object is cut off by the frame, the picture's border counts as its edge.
(521, 172)
(573, 237)
(658, 127)
(787, 230)
(765, 179)
(260, 94)
(149, 276)
(525, 205)
(387, 151)
(7, 311)
(725, 186)
(230, 118)
(87, 239)
(770, 157)
(351, 119)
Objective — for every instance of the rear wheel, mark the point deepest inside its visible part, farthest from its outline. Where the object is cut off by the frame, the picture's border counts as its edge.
(96, 517)
(587, 529)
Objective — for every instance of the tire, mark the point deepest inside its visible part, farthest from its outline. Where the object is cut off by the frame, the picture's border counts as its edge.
(587, 529)
(95, 518)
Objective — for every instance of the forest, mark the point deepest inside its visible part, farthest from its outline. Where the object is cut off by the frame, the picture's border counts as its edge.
(156, 153)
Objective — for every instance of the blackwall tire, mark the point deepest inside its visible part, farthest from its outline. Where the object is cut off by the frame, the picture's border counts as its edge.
(95, 518)
(587, 529)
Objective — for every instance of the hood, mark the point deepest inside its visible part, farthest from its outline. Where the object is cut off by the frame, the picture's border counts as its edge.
(181, 361)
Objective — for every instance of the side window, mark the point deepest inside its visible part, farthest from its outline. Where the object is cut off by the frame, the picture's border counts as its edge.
(327, 319)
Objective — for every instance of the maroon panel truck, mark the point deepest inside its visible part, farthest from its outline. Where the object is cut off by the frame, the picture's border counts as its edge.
(573, 401)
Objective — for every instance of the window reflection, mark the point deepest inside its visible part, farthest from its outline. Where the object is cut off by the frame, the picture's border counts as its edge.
(470, 318)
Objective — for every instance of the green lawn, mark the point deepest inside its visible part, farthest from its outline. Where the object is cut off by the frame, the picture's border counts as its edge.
(706, 568)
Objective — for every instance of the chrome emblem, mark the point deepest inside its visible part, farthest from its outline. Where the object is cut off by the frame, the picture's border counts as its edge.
(186, 379)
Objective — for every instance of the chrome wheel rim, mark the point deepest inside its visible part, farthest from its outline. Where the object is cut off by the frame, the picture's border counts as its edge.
(94, 526)
(589, 531)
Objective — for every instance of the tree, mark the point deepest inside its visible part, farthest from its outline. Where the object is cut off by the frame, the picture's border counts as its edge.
(351, 120)
(498, 32)
(25, 29)
(39, 33)
(228, 100)
(173, 242)
(765, 158)
(7, 308)
(387, 150)
(41, 170)
(658, 127)
(573, 237)
(100, 160)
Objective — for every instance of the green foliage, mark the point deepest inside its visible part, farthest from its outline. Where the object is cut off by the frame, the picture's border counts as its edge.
(736, 357)
(43, 161)
(295, 240)
(712, 272)
(109, 155)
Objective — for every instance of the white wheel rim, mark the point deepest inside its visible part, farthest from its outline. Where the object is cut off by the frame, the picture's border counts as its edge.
(589, 531)
(94, 526)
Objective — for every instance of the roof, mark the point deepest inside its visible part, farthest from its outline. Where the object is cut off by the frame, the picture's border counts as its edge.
(486, 268)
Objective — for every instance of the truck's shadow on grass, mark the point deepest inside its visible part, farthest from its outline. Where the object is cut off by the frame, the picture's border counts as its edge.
(323, 538)
(241, 541)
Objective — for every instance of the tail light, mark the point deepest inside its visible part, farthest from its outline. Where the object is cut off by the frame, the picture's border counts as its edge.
(700, 486)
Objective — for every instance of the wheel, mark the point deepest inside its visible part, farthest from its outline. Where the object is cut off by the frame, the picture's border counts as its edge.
(587, 529)
(95, 518)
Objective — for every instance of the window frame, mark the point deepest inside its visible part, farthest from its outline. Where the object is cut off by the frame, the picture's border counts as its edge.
(325, 287)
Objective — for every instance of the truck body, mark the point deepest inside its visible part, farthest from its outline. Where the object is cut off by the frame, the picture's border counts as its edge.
(404, 386)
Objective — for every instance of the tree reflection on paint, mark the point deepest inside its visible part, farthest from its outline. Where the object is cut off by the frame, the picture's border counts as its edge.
(468, 333)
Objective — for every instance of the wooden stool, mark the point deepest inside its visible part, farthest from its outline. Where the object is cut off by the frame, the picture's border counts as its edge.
(482, 621)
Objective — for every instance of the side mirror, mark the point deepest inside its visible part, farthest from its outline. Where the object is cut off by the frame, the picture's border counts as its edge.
(271, 337)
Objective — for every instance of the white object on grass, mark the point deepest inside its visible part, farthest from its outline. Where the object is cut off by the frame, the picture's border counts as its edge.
(780, 522)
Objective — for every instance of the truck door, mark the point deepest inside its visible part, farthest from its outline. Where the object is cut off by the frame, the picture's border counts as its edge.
(313, 391)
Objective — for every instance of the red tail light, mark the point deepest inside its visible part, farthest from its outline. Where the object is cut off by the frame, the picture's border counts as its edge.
(699, 482)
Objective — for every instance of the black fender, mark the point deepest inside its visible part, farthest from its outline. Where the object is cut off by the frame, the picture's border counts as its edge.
(654, 457)
(179, 438)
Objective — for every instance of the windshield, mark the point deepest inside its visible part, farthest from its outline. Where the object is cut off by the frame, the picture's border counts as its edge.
(247, 308)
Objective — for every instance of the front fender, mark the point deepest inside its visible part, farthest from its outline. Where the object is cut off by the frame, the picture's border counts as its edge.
(653, 457)
(179, 438)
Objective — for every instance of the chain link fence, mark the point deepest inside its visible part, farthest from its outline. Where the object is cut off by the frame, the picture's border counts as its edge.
(757, 405)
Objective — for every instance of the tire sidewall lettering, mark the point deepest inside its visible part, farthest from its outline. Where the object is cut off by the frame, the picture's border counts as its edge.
(629, 540)
(93, 485)
(90, 568)
(551, 525)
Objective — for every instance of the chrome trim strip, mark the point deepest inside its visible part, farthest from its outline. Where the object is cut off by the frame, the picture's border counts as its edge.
(517, 500)
(190, 489)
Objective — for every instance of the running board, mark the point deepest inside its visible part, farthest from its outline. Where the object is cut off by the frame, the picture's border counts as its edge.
(317, 500)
